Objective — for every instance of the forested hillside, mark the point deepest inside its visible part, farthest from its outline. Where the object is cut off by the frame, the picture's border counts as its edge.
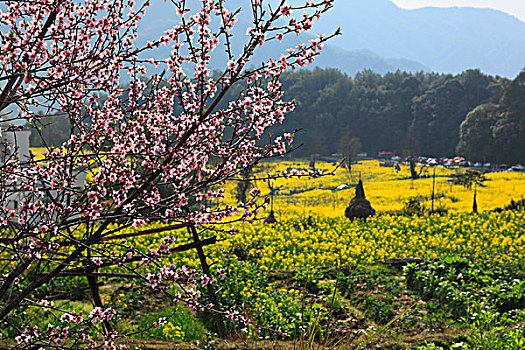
(497, 131)
(406, 113)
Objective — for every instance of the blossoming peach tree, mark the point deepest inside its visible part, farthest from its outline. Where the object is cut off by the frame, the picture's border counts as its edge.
(153, 154)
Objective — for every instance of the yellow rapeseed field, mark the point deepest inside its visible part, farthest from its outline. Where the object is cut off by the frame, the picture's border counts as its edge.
(386, 189)
(298, 244)
(312, 230)
(332, 242)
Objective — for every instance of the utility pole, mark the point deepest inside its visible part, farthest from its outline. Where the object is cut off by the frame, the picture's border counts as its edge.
(433, 189)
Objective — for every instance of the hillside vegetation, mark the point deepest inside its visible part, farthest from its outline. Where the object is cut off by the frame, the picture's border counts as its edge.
(410, 114)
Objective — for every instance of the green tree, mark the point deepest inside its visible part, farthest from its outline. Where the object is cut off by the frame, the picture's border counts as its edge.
(497, 131)
(439, 112)
(476, 139)
(350, 147)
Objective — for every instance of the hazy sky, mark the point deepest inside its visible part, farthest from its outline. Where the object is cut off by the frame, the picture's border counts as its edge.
(514, 7)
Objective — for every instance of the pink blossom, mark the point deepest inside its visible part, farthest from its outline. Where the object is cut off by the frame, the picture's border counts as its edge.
(97, 261)
(91, 195)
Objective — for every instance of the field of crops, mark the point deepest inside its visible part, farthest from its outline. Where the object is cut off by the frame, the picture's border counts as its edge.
(334, 242)
(314, 273)
(312, 229)
(386, 188)
(317, 245)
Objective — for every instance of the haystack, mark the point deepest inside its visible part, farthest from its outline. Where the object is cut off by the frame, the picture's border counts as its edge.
(271, 218)
(359, 207)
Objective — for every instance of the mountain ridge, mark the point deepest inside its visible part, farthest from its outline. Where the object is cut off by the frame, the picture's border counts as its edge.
(448, 40)
(159, 17)
(380, 36)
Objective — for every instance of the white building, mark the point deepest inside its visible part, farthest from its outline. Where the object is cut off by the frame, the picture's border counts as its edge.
(12, 142)
(16, 141)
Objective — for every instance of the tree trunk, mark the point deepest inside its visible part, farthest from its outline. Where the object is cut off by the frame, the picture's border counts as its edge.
(212, 294)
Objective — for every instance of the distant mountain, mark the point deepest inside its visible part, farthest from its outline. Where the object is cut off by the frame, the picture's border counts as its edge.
(352, 62)
(447, 40)
(160, 16)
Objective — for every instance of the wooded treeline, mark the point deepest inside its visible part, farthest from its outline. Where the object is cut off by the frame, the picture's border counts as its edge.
(472, 114)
